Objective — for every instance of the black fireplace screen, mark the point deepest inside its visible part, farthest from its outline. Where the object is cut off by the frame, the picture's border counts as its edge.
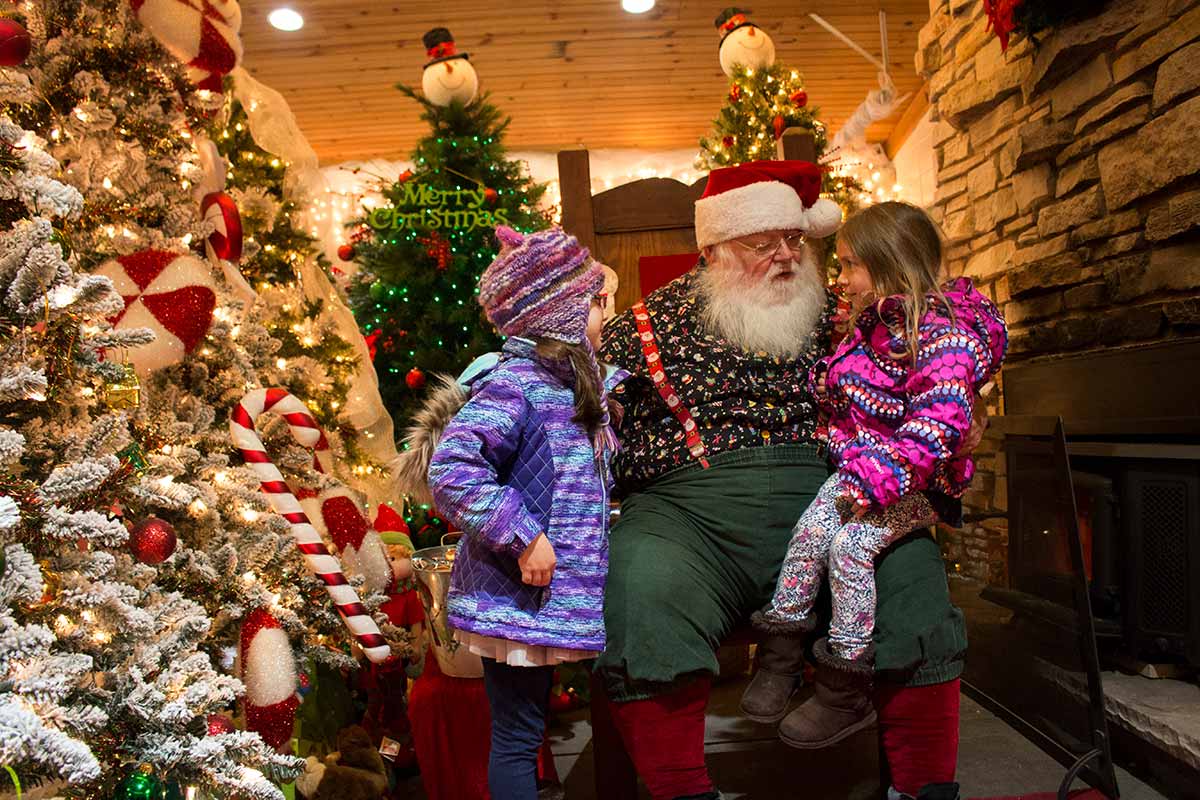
(1032, 655)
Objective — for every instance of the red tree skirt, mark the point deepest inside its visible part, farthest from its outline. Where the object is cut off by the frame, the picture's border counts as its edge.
(452, 730)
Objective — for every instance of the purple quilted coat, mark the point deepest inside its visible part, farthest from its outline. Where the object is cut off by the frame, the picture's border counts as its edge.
(894, 424)
(510, 465)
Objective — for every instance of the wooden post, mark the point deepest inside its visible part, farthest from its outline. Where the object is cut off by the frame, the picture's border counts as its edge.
(795, 145)
(575, 187)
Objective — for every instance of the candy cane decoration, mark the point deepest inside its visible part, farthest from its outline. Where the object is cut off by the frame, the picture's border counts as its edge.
(323, 564)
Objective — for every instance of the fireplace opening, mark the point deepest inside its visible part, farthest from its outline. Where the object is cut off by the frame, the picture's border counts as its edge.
(1138, 507)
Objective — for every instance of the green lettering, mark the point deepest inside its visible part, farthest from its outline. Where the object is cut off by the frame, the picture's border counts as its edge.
(412, 194)
(477, 197)
(381, 218)
(501, 216)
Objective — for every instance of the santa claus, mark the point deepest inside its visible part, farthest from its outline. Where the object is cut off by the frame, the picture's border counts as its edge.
(718, 461)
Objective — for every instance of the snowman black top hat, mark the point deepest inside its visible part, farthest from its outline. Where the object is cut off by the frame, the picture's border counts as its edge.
(439, 46)
(730, 19)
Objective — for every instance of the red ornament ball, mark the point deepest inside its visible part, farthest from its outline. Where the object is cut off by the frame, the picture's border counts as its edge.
(735, 92)
(14, 43)
(219, 723)
(799, 99)
(491, 195)
(727, 141)
(415, 379)
(560, 702)
(346, 252)
(152, 541)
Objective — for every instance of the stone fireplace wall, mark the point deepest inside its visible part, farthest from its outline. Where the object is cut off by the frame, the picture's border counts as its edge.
(1069, 188)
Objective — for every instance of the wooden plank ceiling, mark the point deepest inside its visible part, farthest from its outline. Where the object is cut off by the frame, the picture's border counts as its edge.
(569, 72)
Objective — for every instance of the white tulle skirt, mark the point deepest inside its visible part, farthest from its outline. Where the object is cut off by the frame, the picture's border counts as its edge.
(519, 654)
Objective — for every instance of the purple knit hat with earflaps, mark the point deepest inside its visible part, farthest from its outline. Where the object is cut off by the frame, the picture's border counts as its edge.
(541, 284)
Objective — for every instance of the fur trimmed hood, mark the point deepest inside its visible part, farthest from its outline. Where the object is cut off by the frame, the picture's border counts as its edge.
(421, 438)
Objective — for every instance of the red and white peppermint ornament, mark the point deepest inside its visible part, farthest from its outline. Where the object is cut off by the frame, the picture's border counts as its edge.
(323, 564)
(269, 673)
(203, 34)
(173, 294)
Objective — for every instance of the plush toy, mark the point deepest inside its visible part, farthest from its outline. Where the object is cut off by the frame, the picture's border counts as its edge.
(337, 516)
(354, 772)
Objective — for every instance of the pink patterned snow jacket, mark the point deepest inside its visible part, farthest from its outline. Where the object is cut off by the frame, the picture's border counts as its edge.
(895, 424)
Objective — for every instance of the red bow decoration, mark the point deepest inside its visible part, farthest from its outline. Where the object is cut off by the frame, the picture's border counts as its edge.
(372, 339)
(731, 23)
(1000, 15)
(442, 50)
(226, 240)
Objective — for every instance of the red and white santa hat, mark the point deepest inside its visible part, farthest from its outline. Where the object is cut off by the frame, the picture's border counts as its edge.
(764, 196)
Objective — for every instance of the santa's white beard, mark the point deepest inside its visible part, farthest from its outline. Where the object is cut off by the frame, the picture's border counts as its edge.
(776, 317)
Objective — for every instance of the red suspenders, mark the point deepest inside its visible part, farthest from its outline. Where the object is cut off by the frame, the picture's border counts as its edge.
(654, 364)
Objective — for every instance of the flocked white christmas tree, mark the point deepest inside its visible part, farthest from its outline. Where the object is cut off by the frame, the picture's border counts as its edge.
(132, 642)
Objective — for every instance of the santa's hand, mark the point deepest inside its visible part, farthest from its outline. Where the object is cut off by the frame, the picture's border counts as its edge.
(538, 562)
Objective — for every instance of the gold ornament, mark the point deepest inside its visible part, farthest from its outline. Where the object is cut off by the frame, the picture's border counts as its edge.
(51, 584)
(125, 392)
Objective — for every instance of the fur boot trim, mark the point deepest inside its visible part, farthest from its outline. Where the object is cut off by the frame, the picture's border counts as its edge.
(772, 627)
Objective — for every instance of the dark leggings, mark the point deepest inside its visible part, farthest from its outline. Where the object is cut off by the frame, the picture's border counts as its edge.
(518, 697)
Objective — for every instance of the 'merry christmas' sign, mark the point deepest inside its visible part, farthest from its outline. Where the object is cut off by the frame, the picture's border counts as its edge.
(424, 207)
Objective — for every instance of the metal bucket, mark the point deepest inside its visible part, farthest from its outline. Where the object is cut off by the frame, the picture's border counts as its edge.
(432, 568)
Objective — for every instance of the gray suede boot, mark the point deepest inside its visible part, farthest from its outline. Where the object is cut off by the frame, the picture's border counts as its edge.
(841, 706)
(780, 666)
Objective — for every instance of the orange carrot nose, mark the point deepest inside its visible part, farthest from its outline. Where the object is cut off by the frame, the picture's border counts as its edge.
(751, 30)
(449, 67)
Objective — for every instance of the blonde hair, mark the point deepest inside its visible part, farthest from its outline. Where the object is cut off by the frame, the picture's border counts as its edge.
(902, 250)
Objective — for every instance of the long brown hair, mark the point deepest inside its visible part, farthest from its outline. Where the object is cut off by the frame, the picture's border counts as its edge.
(588, 410)
(902, 250)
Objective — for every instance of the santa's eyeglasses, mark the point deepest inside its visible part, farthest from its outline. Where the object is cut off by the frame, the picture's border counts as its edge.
(768, 249)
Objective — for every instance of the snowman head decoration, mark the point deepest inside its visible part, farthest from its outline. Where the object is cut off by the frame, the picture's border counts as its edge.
(448, 75)
(742, 42)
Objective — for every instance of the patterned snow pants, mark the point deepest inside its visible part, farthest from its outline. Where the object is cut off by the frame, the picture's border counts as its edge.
(822, 543)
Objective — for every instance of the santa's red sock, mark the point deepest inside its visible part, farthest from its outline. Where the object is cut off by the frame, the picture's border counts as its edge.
(918, 728)
(664, 736)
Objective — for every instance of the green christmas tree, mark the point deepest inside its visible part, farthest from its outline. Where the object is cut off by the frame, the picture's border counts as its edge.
(422, 252)
(762, 103)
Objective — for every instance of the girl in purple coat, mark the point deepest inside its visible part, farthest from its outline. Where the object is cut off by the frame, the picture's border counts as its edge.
(899, 393)
(522, 471)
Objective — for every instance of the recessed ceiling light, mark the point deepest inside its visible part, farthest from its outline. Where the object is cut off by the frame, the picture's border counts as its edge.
(285, 19)
(637, 6)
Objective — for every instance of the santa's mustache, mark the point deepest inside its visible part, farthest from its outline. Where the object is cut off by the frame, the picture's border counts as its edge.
(763, 312)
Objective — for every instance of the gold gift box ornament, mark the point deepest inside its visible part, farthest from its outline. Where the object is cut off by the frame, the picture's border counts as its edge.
(125, 392)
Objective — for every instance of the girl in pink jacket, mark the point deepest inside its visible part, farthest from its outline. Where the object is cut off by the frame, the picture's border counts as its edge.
(899, 392)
